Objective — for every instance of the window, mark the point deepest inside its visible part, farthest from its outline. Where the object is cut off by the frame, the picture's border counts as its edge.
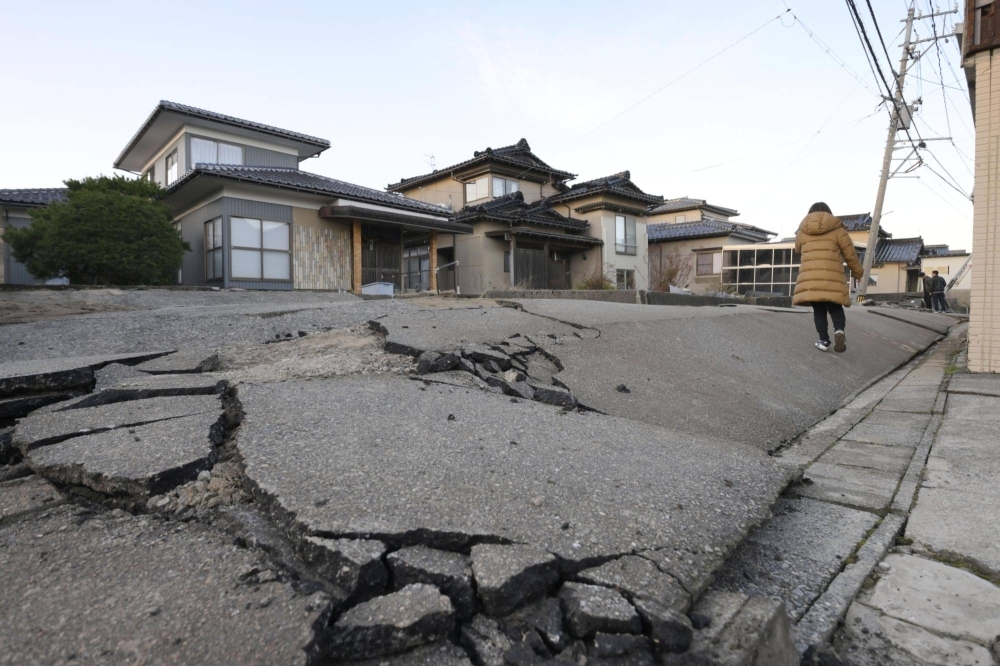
(502, 186)
(205, 151)
(625, 242)
(260, 249)
(171, 167)
(477, 189)
(680, 218)
(706, 263)
(151, 174)
(625, 279)
(506, 261)
(213, 249)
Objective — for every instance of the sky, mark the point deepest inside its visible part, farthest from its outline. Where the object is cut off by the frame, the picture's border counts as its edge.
(767, 126)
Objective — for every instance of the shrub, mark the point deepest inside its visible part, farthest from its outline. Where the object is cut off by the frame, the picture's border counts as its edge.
(109, 231)
(600, 280)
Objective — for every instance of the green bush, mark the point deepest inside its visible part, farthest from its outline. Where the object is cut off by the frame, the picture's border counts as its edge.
(109, 231)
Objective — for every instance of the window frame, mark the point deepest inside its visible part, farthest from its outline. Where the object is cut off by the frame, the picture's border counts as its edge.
(260, 250)
(622, 245)
(476, 183)
(218, 144)
(680, 219)
(507, 186)
(176, 167)
(699, 257)
(211, 250)
(623, 278)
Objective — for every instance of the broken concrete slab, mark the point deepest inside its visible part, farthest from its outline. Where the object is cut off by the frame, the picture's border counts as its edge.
(353, 565)
(670, 631)
(741, 632)
(961, 524)
(965, 607)
(976, 384)
(546, 617)
(115, 373)
(688, 565)
(623, 649)
(552, 395)
(414, 616)
(9, 454)
(49, 428)
(485, 641)
(24, 496)
(510, 576)
(593, 608)
(451, 329)
(182, 362)
(870, 638)
(456, 378)
(739, 357)
(638, 577)
(144, 387)
(863, 487)
(139, 462)
(485, 354)
(442, 654)
(581, 486)
(21, 405)
(450, 572)
(126, 589)
(58, 374)
(890, 429)
(893, 459)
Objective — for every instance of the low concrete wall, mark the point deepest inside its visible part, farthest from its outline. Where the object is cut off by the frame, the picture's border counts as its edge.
(641, 297)
(606, 295)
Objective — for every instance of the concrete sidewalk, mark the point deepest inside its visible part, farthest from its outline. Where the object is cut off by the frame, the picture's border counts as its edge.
(936, 599)
(934, 602)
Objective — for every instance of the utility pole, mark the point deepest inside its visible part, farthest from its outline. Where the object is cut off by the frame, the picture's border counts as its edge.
(898, 106)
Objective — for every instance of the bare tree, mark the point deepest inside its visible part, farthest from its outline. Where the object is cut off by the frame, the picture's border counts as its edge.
(670, 268)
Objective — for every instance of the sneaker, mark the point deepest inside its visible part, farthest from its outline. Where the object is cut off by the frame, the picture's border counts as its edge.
(822, 345)
(841, 342)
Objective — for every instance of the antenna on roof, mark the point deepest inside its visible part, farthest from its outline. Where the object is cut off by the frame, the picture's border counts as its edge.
(432, 161)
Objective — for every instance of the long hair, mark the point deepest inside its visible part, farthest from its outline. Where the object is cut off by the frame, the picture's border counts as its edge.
(820, 207)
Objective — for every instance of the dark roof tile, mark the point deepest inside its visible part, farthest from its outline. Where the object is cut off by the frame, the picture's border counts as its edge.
(33, 196)
(518, 155)
(309, 182)
(512, 210)
(899, 250)
(705, 228)
(687, 203)
(619, 183)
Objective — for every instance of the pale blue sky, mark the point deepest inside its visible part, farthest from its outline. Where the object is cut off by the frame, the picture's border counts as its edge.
(389, 82)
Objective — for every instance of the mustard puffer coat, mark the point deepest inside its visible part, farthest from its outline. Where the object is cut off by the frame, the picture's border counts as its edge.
(824, 245)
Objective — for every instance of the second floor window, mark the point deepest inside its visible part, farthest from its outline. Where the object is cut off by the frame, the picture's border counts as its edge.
(205, 151)
(172, 167)
(502, 186)
(680, 218)
(477, 189)
(625, 242)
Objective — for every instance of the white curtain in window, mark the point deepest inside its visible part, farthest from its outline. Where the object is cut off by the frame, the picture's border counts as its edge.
(246, 264)
(203, 151)
(217, 263)
(230, 154)
(276, 266)
(498, 186)
(275, 236)
(246, 233)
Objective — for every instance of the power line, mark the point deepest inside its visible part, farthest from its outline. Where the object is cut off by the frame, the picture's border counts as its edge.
(937, 48)
(833, 56)
(878, 30)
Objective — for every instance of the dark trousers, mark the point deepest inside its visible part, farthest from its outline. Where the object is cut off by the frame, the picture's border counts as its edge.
(836, 312)
(939, 302)
(927, 300)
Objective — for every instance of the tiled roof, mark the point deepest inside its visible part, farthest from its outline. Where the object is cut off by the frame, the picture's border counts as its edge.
(942, 251)
(861, 222)
(512, 210)
(619, 183)
(518, 155)
(195, 112)
(899, 250)
(34, 196)
(312, 183)
(687, 203)
(705, 228)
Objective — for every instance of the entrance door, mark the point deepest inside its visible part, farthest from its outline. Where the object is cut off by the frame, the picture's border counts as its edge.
(381, 256)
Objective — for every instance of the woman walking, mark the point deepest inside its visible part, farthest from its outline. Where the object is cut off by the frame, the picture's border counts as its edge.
(824, 246)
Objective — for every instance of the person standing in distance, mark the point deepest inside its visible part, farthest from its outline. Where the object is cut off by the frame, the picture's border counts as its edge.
(824, 246)
(927, 281)
(938, 286)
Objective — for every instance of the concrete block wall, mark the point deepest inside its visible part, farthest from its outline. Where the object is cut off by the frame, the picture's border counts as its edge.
(984, 322)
